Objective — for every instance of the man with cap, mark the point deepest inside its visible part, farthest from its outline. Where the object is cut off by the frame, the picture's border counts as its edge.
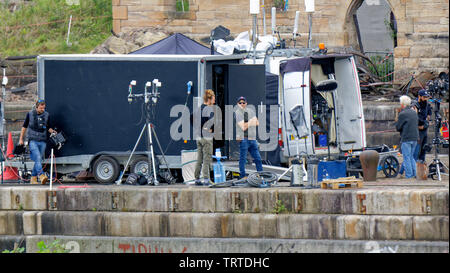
(424, 113)
(246, 136)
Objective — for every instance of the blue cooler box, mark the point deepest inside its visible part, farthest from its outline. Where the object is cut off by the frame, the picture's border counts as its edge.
(335, 169)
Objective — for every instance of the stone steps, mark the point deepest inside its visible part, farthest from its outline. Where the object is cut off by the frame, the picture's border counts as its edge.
(225, 225)
(108, 244)
(179, 198)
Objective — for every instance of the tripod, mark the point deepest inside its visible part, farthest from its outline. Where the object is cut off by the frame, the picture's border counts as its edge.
(437, 167)
(150, 99)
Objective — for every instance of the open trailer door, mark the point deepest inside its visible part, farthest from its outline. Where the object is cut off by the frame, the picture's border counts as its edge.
(350, 126)
(246, 80)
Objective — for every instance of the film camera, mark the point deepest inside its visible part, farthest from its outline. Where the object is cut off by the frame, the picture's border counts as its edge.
(439, 86)
(57, 139)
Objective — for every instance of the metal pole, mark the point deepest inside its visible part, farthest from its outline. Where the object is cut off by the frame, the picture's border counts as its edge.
(4, 83)
(51, 170)
(119, 181)
(149, 132)
(68, 31)
(310, 29)
(254, 38)
(264, 18)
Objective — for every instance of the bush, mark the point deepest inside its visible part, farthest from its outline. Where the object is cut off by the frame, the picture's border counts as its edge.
(40, 26)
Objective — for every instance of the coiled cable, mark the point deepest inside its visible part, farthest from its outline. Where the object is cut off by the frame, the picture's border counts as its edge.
(261, 179)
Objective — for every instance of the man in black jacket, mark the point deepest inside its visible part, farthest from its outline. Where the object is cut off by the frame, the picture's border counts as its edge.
(407, 125)
(35, 127)
(424, 113)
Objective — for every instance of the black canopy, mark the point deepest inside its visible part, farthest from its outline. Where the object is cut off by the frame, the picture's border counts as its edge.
(176, 44)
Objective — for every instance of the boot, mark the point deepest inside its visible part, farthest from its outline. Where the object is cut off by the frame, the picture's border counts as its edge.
(44, 179)
(34, 180)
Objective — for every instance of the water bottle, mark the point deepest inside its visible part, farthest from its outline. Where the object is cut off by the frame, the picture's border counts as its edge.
(325, 175)
(219, 171)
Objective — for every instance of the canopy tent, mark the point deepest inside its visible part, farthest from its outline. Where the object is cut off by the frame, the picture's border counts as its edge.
(176, 44)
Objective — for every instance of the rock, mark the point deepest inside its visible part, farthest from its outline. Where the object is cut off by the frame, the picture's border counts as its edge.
(126, 42)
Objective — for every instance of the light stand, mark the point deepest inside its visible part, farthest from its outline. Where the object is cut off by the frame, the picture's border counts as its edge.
(295, 32)
(150, 100)
(297, 118)
(254, 11)
(309, 8)
(435, 166)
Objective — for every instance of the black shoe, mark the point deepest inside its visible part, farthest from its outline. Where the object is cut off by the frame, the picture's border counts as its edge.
(198, 182)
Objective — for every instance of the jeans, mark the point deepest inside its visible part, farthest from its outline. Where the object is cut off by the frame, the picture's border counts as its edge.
(37, 150)
(251, 146)
(409, 163)
(419, 153)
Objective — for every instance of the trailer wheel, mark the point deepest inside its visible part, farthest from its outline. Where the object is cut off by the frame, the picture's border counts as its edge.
(390, 166)
(106, 169)
(140, 165)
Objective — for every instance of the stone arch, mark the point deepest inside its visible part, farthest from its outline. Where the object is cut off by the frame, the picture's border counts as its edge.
(351, 38)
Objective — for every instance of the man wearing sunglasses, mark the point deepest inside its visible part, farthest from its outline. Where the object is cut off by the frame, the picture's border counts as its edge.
(35, 127)
(246, 136)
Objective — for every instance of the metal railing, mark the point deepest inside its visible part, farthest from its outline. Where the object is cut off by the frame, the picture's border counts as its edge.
(384, 64)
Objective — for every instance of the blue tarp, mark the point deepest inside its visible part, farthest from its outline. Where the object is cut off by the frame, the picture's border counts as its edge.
(176, 44)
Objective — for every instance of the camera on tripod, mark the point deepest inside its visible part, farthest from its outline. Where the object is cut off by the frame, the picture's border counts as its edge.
(439, 86)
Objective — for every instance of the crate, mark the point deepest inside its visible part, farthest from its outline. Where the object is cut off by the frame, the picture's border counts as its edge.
(346, 182)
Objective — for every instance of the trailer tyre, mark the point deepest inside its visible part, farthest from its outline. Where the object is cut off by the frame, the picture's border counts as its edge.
(106, 169)
(140, 165)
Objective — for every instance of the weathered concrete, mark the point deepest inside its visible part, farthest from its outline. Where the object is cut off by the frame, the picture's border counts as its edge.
(225, 225)
(371, 201)
(80, 244)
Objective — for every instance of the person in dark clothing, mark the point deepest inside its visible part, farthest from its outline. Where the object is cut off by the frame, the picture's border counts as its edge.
(424, 113)
(205, 142)
(246, 136)
(407, 125)
(35, 127)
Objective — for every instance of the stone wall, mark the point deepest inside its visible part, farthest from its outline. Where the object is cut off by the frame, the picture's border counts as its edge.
(422, 37)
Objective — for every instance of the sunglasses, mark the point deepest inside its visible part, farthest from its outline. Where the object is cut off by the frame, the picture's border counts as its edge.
(242, 102)
(40, 101)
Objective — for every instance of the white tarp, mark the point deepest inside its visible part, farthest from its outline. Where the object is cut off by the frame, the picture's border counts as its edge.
(243, 43)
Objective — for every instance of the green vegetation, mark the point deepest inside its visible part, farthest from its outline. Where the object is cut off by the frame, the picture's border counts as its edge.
(16, 250)
(182, 5)
(40, 26)
(279, 207)
(384, 66)
(53, 247)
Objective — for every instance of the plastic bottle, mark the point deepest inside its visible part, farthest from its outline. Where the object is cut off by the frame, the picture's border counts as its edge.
(219, 170)
(325, 175)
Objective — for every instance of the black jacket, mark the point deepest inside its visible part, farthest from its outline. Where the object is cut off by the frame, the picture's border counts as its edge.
(407, 125)
(423, 112)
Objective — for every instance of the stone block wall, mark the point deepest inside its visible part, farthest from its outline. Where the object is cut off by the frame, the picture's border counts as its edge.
(423, 26)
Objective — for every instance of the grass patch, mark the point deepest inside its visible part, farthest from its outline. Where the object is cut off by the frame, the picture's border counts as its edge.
(40, 26)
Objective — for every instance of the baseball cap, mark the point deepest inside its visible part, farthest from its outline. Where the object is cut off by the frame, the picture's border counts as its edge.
(424, 93)
(241, 98)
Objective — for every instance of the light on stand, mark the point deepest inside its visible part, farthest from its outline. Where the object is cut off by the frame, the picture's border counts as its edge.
(189, 86)
(309, 8)
(295, 32)
(254, 11)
